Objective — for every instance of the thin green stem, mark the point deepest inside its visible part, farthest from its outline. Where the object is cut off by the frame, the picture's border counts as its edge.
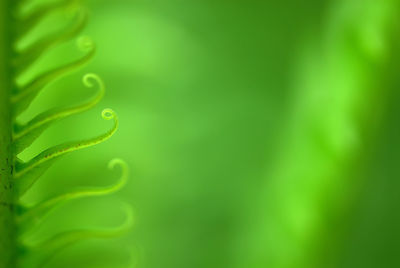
(7, 222)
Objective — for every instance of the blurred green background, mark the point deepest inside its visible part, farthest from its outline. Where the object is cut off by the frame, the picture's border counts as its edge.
(258, 133)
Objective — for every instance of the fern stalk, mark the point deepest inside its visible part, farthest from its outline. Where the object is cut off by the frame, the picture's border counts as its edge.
(7, 226)
(7, 223)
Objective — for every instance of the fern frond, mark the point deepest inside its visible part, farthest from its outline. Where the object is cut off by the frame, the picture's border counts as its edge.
(25, 134)
(25, 95)
(20, 176)
(26, 173)
(35, 214)
(29, 21)
(50, 247)
(28, 56)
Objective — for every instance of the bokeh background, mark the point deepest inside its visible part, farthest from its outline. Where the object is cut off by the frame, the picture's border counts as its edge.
(258, 134)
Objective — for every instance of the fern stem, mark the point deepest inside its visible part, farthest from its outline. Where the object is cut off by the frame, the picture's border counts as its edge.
(7, 223)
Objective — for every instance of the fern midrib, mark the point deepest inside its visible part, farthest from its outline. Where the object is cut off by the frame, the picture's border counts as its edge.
(8, 248)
